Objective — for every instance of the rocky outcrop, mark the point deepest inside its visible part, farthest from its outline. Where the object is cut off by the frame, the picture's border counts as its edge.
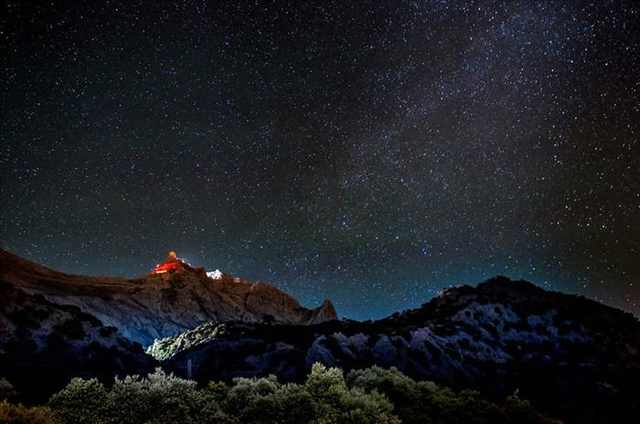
(326, 312)
(43, 345)
(500, 337)
(158, 306)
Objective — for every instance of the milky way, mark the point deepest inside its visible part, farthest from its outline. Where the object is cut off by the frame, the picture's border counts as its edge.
(371, 153)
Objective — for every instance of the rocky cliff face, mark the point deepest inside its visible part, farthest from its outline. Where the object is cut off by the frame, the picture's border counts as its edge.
(43, 345)
(152, 307)
(500, 337)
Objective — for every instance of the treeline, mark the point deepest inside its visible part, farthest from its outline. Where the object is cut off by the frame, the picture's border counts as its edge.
(373, 395)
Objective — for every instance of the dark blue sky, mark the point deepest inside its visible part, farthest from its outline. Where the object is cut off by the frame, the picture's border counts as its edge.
(371, 153)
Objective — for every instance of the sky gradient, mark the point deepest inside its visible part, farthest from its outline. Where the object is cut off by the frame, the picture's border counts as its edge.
(370, 153)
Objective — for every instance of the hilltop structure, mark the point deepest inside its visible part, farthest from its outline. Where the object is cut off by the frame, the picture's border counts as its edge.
(175, 265)
(170, 265)
(178, 298)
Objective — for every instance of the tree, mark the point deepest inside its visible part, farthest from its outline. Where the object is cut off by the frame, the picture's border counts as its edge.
(81, 402)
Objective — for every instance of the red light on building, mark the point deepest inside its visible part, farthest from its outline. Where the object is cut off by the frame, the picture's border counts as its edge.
(172, 264)
(167, 267)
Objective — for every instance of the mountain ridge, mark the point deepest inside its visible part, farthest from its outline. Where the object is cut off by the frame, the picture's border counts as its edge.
(155, 306)
(500, 337)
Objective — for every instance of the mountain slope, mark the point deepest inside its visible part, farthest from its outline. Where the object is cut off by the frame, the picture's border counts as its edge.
(151, 307)
(573, 357)
(43, 345)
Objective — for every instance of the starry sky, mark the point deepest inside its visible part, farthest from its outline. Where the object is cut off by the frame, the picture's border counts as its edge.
(372, 152)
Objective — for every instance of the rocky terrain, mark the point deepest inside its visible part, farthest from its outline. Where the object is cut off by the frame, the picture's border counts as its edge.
(155, 306)
(43, 345)
(502, 337)
(574, 358)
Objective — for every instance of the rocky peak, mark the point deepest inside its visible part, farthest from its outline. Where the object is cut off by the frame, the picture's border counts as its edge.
(326, 312)
(161, 304)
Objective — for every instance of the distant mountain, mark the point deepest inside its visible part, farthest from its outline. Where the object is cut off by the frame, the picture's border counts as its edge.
(161, 305)
(575, 358)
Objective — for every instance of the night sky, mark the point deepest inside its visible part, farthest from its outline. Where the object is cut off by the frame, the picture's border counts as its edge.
(367, 152)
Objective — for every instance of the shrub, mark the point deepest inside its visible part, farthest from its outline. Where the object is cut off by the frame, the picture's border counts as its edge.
(324, 398)
(426, 402)
(81, 402)
(407, 395)
(18, 414)
(6, 389)
(159, 398)
(288, 404)
(336, 403)
(368, 396)
(246, 390)
(464, 407)
(218, 389)
(521, 411)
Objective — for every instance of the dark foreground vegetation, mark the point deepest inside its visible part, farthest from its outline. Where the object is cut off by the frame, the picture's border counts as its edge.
(372, 395)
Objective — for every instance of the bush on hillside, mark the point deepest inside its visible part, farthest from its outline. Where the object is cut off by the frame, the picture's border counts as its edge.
(426, 402)
(18, 414)
(373, 395)
(81, 402)
(158, 398)
(336, 402)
